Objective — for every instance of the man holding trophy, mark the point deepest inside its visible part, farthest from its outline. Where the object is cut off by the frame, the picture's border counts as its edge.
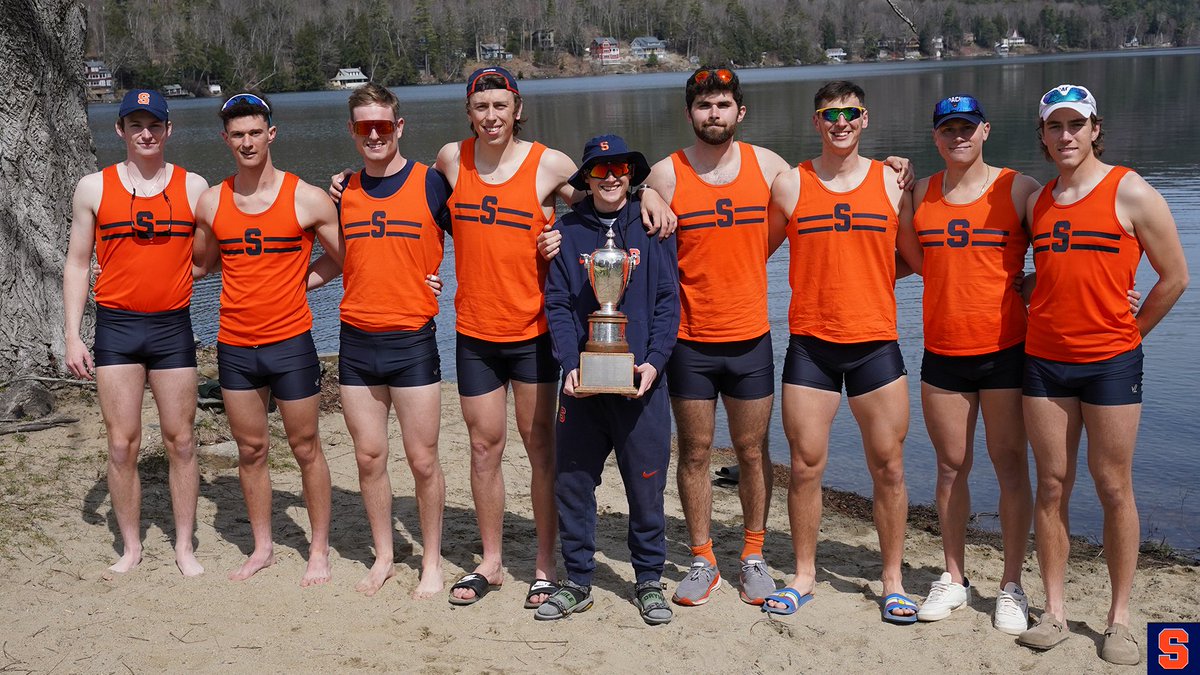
(612, 303)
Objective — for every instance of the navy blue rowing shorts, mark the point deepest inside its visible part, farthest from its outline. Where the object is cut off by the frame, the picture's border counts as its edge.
(403, 358)
(1004, 369)
(700, 370)
(289, 367)
(485, 366)
(863, 366)
(1115, 381)
(157, 340)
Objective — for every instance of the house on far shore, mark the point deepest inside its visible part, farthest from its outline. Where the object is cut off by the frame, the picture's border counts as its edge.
(543, 38)
(175, 91)
(604, 51)
(643, 47)
(1014, 39)
(835, 55)
(490, 51)
(99, 79)
(348, 78)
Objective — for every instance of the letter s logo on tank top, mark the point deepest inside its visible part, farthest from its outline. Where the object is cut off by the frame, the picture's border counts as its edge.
(724, 211)
(841, 217)
(488, 206)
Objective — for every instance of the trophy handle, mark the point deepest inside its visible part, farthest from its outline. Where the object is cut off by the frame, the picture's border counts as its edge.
(635, 259)
(585, 259)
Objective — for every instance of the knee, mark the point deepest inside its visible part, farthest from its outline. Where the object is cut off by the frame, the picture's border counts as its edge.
(1051, 491)
(424, 466)
(181, 445)
(806, 471)
(123, 451)
(253, 453)
(693, 461)
(888, 472)
(371, 461)
(486, 454)
(1115, 493)
(306, 448)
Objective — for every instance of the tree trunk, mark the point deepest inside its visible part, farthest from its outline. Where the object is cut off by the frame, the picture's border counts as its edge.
(46, 148)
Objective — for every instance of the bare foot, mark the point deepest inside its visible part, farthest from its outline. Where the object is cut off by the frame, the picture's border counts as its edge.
(380, 572)
(253, 564)
(317, 571)
(431, 583)
(494, 575)
(187, 563)
(128, 560)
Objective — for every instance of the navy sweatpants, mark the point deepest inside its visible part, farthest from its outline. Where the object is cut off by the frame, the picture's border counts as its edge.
(588, 429)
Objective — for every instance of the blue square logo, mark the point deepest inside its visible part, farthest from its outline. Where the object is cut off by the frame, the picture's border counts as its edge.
(1173, 648)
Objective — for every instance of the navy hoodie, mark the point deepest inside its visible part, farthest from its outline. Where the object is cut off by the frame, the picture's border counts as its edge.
(651, 301)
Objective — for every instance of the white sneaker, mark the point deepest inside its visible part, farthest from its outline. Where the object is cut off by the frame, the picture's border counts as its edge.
(944, 597)
(1012, 610)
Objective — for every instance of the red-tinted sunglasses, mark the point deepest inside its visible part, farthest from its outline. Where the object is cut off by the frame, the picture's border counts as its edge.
(722, 75)
(381, 127)
(617, 169)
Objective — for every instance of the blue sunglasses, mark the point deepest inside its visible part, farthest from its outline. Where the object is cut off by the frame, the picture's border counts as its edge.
(957, 104)
(249, 99)
(1073, 94)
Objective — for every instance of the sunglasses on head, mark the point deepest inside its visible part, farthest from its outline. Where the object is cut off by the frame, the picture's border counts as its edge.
(1072, 94)
(956, 104)
(601, 170)
(249, 99)
(380, 127)
(722, 75)
(848, 113)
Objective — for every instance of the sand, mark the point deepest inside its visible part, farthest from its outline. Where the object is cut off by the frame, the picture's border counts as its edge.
(58, 613)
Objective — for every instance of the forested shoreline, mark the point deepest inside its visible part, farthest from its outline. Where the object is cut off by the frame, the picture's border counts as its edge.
(277, 45)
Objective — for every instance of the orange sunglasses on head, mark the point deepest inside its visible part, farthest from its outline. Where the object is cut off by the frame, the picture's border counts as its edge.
(602, 169)
(722, 75)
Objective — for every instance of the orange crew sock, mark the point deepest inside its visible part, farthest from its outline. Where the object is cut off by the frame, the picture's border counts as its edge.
(754, 543)
(705, 551)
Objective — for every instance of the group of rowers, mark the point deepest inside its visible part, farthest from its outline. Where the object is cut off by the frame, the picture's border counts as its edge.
(1045, 355)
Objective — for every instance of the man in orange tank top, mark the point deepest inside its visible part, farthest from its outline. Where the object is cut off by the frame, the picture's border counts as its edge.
(390, 216)
(143, 238)
(1083, 371)
(260, 222)
(839, 213)
(719, 188)
(969, 229)
(504, 191)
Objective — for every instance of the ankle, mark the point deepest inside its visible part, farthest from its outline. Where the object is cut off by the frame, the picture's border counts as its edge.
(705, 551)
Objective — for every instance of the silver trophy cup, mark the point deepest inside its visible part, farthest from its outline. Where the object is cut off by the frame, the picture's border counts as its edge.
(606, 366)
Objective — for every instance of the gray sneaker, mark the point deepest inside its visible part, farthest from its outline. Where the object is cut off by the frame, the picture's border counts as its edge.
(757, 583)
(702, 579)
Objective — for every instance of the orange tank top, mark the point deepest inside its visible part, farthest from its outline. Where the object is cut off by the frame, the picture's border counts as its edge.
(501, 276)
(973, 254)
(843, 260)
(391, 244)
(144, 246)
(1085, 263)
(722, 239)
(264, 258)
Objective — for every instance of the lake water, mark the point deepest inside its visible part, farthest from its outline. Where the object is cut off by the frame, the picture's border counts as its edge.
(1146, 99)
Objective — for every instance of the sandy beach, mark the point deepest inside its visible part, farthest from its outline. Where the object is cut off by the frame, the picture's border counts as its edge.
(58, 613)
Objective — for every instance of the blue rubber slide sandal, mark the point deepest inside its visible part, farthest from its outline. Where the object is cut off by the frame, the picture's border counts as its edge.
(897, 601)
(790, 598)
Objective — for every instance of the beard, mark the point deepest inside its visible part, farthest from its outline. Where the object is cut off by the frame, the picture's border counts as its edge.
(715, 135)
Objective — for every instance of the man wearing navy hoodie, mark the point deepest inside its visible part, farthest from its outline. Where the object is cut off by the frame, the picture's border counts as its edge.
(590, 427)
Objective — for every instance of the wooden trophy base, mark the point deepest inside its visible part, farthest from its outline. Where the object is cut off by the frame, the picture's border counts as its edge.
(606, 373)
